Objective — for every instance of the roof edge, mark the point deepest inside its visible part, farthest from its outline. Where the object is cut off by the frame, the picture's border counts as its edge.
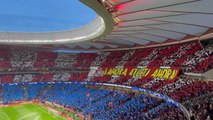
(98, 28)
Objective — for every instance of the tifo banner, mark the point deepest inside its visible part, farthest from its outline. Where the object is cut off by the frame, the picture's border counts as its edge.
(167, 73)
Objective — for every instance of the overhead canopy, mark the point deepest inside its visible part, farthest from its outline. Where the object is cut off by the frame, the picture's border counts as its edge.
(155, 22)
(144, 23)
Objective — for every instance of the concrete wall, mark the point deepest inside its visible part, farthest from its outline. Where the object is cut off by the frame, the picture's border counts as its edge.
(208, 75)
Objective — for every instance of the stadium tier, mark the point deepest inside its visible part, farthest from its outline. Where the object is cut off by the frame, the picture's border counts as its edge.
(191, 57)
(140, 68)
(100, 104)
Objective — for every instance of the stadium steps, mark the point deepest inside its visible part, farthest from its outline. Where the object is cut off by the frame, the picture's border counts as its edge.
(1, 91)
(197, 98)
(208, 75)
(85, 105)
(44, 90)
(25, 91)
(123, 102)
(157, 105)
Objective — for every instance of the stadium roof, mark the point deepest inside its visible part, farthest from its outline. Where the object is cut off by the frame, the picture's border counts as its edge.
(126, 24)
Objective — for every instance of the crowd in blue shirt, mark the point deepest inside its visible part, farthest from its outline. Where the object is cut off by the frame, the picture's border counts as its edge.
(97, 103)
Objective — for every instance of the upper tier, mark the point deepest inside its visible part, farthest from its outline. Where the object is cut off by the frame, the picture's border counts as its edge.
(190, 57)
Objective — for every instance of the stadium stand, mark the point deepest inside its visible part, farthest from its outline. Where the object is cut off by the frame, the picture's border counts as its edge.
(100, 104)
(190, 57)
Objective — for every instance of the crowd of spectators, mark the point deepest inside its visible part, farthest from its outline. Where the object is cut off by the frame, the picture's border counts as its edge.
(195, 89)
(180, 90)
(191, 57)
(93, 102)
(133, 109)
(12, 93)
(23, 78)
(23, 59)
(44, 77)
(65, 60)
(110, 104)
(33, 90)
(61, 77)
(166, 111)
(197, 60)
(201, 108)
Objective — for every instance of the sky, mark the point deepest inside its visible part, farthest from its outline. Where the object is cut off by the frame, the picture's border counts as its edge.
(43, 15)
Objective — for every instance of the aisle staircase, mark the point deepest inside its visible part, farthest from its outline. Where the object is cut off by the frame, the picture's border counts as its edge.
(1, 91)
(25, 92)
(44, 90)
